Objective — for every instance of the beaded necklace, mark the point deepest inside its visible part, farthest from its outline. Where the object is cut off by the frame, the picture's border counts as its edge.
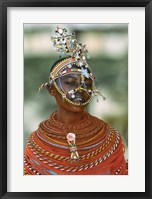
(102, 154)
(86, 127)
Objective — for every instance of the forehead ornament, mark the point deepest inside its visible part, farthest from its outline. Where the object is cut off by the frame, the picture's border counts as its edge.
(67, 44)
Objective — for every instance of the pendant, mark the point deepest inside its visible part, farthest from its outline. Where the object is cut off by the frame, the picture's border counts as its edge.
(71, 139)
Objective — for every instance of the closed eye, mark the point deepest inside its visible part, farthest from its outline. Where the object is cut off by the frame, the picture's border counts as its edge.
(70, 83)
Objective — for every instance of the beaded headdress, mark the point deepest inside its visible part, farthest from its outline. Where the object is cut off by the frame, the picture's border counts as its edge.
(77, 53)
(75, 62)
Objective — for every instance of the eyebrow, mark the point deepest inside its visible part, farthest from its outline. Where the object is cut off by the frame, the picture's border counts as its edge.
(76, 78)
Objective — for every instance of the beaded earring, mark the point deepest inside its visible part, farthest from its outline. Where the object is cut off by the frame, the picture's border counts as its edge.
(41, 87)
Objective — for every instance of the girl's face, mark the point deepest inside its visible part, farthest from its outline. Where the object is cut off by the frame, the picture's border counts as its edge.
(70, 82)
(75, 89)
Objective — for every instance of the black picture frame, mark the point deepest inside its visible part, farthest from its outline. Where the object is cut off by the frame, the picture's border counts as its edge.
(4, 4)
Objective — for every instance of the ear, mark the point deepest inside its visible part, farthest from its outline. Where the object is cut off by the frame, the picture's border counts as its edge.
(51, 89)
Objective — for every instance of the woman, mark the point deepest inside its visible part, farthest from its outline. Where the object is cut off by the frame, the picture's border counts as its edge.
(71, 141)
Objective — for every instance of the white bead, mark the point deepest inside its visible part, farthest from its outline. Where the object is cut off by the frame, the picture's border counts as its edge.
(73, 96)
(60, 30)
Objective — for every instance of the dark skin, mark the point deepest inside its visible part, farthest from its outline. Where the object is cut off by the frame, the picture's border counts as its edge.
(66, 112)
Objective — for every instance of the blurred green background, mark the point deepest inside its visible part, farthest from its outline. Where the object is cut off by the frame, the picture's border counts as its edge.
(108, 48)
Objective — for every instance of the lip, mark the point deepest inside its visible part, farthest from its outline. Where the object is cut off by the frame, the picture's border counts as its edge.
(80, 96)
(78, 99)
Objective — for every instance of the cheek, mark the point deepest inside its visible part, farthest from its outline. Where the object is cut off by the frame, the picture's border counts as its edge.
(68, 88)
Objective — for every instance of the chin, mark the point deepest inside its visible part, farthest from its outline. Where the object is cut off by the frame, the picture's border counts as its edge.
(72, 108)
(78, 109)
